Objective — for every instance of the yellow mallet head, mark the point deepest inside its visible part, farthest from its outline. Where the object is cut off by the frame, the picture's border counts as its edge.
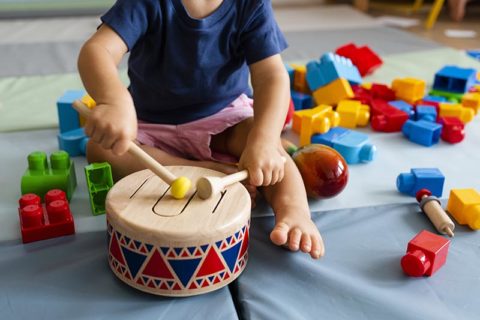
(180, 187)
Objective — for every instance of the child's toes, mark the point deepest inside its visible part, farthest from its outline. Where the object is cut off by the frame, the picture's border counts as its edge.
(279, 235)
(318, 249)
(306, 243)
(294, 239)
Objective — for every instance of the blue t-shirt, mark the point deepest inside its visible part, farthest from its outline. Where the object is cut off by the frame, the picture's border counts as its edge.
(182, 69)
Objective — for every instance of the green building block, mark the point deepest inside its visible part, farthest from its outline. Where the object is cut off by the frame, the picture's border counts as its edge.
(99, 182)
(41, 176)
(452, 97)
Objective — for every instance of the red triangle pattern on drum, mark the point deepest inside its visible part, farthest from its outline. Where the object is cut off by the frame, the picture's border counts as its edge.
(226, 276)
(211, 264)
(164, 286)
(151, 284)
(132, 246)
(176, 287)
(171, 254)
(156, 267)
(185, 253)
(139, 281)
(244, 244)
(193, 286)
(115, 250)
(198, 253)
(217, 280)
(143, 249)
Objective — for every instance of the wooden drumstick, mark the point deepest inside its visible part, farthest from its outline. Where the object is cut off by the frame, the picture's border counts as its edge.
(178, 186)
(430, 205)
(209, 186)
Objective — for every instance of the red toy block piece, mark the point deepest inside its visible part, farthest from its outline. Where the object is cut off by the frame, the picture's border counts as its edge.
(386, 118)
(426, 253)
(382, 91)
(364, 58)
(291, 111)
(38, 222)
(361, 94)
(453, 129)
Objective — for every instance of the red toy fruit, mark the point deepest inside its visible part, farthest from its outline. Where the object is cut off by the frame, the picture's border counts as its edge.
(324, 171)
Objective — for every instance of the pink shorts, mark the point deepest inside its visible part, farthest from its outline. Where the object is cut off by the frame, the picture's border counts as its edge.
(191, 140)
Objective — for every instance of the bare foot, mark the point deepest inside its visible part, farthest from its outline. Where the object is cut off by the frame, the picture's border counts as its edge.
(296, 230)
(457, 9)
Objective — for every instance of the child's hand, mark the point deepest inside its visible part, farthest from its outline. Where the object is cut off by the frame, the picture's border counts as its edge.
(264, 162)
(113, 125)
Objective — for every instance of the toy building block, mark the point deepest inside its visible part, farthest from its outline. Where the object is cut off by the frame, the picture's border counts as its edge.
(68, 118)
(425, 133)
(289, 117)
(291, 74)
(464, 206)
(450, 96)
(432, 207)
(453, 130)
(51, 220)
(317, 120)
(472, 101)
(353, 113)
(352, 145)
(299, 79)
(364, 58)
(421, 178)
(361, 94)
(427, 113)
(386, 118)
(42, 176)
(330, 68)
(333, 92)
(426, 253)
(456, 110)
(381, 91)
(301, 100)
(99, 182)
(454, 79)
(409, 89)
(90, 103)
(436, 99)
(404, 106)
(74, 142)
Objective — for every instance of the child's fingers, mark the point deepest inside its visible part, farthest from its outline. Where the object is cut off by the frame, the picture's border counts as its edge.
(120, 146)
(267, 177)
(256, 177)
(108, 142)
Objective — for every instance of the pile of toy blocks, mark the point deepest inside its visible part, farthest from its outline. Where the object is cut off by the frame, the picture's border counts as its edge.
(331, 99)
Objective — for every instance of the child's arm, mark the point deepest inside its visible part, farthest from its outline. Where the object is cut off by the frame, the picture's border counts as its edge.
(112, 123)
(263, 153)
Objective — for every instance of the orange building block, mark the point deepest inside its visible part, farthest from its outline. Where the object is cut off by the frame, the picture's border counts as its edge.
(409, 89)
(471, 100)
(90, 103)
(353, 113)
(300, 78)
(317, 120)
(456, 110)
(464, 206)
(334, 92)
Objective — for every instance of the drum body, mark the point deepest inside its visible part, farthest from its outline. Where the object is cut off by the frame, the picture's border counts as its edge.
(171, 247)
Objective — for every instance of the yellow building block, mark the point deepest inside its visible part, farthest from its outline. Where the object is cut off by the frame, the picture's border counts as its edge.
(90, 103)
(409, 89)
(464, 206)
(317, 120)
(333, 93)
(300, 78)
(471, 100)
(353, 113)
(456, 110)
(366, 85)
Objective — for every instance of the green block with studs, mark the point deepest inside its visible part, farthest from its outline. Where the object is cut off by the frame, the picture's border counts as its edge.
(99, 182)
(451, 97)
(43, 175)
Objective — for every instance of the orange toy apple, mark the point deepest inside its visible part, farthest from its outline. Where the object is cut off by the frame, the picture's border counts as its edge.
(324, 171)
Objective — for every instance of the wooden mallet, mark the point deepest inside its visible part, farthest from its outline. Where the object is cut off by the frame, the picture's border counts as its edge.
(430, 205)
(210, 186)
(179, 186)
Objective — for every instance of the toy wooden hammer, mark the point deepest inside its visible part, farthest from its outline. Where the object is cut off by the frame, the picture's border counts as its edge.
(178, 186)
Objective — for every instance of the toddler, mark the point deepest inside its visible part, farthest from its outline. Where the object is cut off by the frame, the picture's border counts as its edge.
(187, 103)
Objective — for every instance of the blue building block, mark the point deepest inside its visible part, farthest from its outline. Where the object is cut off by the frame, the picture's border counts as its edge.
(301, 100)
(291, 74)
(74, 142)
(352, 145)
(421, 178)
(68, 118)
(404, 106)
(330, 68)
(454, 79)
(427, 113)
(434, 99)
(422, 132)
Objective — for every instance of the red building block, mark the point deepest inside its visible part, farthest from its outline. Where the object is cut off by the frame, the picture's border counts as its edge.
(386, 118)
(453, 130)
(426, 253)
(364, 58)
(51, 220)
(382, 91)
(361, 94)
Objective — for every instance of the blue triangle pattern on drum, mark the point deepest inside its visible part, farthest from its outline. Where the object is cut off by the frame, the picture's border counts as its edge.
(134, 260)
(149, 247)
(177, 250)
(243, 229)
(145, 279)
(137, 244)
(230, 255)
(199, 281)
(128, 240)
(221, 274)
(157, 282)
(211, 278)
(184, 269)
(228, 239)
(164, 250)
(191, 249)
(237, 234)
(218, 243)
(204, 247)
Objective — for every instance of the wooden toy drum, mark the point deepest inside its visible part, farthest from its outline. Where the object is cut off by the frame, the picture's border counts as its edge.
(175, 247)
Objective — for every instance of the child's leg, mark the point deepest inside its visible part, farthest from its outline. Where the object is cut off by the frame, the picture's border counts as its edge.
(293, 224)
(457, 9)
(126, 164)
